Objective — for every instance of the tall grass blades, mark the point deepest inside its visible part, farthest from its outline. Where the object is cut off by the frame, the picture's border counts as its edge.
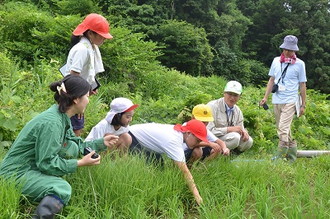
(9, 199)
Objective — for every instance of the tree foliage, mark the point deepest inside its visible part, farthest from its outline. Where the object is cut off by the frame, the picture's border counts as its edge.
(186, 47)
(238, 33)
(37, 34)
(309, 20)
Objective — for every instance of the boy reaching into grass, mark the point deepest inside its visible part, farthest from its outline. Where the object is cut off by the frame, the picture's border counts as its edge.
(153, 139)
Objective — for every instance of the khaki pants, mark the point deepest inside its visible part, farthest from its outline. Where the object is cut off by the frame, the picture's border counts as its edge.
(284, 115)
(233, 140)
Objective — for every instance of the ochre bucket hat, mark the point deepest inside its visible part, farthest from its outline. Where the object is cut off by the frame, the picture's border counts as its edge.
(96, 23)
(203, 113)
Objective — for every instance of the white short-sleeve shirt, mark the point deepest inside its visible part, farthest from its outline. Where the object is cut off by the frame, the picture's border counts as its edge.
(160, 138)
(295, 74)
(104, 127)
(85, 59)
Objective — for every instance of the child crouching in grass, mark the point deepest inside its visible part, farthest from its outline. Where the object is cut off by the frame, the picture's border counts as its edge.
(116, 123)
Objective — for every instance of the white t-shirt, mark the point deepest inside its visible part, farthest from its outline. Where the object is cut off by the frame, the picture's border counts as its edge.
(85, 59)
(104, 127)
(160, 138)
(289, 86)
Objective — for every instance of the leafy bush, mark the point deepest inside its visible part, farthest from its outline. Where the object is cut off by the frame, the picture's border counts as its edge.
(17, 30)
(127, 57)
(186, 47)
(9, 78)
(83, 7)
(25, 96)
(313, 128)
(234, 67)
(37, 34)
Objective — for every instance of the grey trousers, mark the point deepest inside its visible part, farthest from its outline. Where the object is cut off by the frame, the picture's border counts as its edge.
(233, 140)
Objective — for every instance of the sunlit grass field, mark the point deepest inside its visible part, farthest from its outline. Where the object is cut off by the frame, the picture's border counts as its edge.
(244, 186)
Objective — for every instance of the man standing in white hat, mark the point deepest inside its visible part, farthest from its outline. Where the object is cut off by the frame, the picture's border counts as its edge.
(287, 77)
(228, 119)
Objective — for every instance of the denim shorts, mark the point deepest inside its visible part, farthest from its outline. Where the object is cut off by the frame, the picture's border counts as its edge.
(77, 121)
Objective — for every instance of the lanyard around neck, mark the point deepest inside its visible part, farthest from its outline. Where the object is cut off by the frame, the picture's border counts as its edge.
(232, 117)
(283, 73)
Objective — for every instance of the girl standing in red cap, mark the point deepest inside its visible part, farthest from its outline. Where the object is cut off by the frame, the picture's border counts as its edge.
(84, 58)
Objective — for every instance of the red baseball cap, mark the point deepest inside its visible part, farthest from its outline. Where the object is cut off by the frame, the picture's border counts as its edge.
(194, 126)
(96, 23)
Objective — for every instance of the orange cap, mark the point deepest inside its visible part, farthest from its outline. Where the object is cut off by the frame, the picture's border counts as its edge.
(96, 23)
(194, 126)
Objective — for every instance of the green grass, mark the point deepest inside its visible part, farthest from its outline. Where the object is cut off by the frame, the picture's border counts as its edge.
(236, 187)
(9, 199)
(249, 186)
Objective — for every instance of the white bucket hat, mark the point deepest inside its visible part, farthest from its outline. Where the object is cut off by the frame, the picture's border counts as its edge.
(119, 105)
(290, 42)
(234, 87)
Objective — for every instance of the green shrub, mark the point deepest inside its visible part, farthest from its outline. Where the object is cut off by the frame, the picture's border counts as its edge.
(37, 34)
(127, 57)
(17, 30)
(186, 47)
(27, 95)
(83, 7)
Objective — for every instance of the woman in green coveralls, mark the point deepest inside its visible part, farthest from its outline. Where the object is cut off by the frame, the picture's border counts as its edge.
(47, 149)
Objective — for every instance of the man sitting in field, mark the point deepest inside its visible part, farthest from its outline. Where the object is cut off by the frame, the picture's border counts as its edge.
(228, 119)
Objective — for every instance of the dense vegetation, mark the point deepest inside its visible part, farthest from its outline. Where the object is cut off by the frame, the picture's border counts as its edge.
(128, 188)
(236, 39)
(169, 56)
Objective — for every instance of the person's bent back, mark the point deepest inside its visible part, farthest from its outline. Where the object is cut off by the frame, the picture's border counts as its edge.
(154, 139)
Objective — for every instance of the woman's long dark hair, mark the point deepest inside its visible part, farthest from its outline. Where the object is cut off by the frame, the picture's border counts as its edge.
(75, 87)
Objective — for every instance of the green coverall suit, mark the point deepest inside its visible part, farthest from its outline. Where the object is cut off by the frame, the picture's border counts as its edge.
(45, 150)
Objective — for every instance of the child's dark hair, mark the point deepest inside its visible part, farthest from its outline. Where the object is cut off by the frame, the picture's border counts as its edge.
(76, 39)
(74, 87)
(116, 120)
